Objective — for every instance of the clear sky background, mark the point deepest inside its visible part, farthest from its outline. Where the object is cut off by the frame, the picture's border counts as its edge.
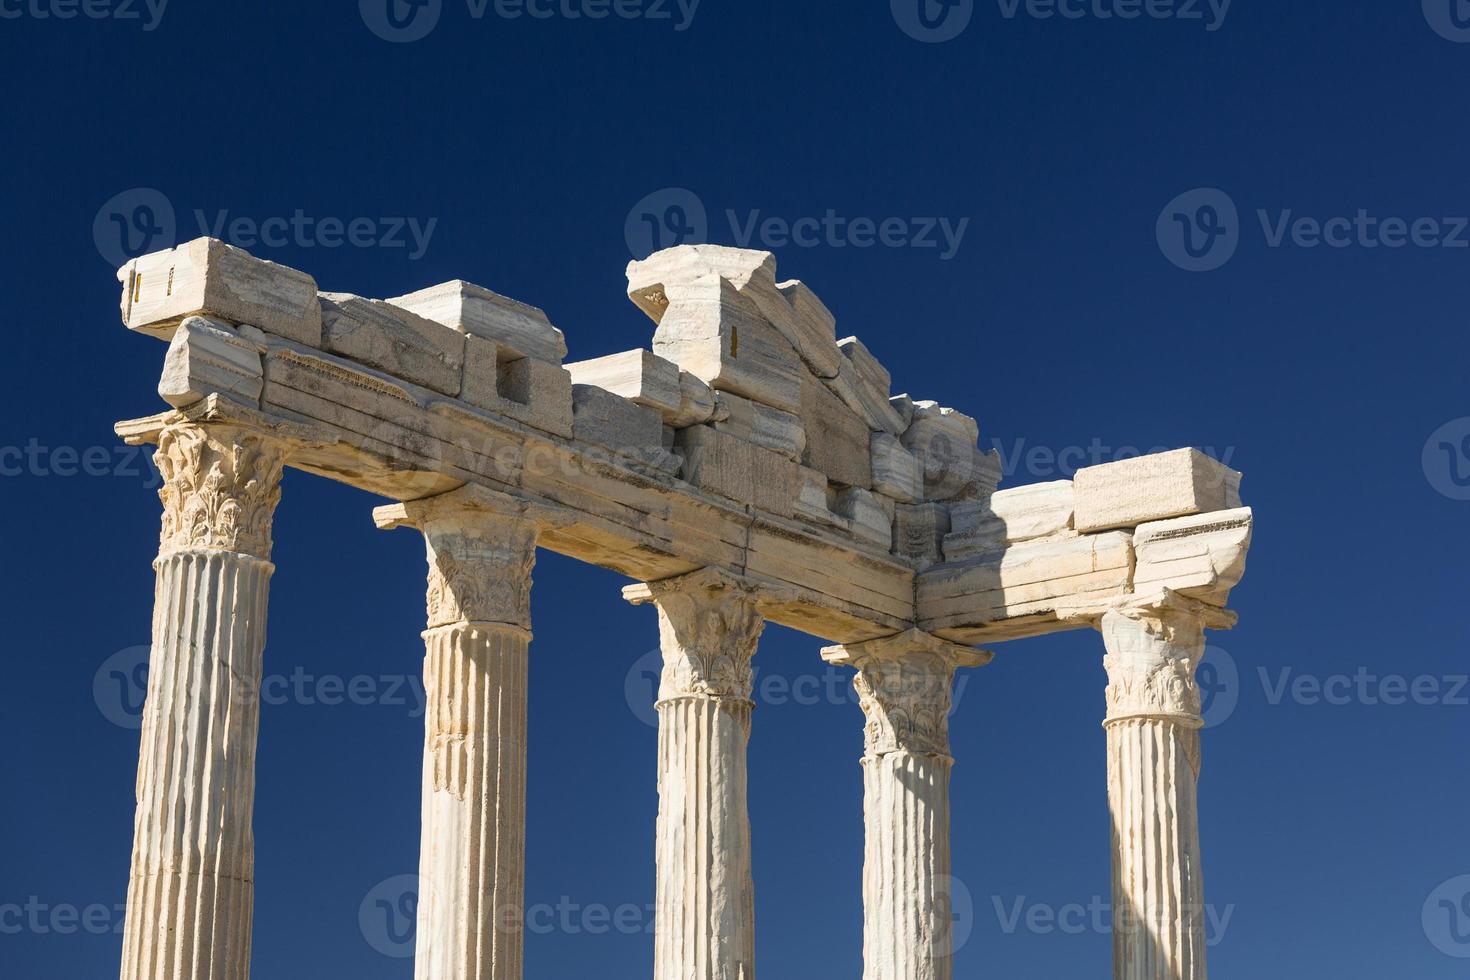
(1334, 789)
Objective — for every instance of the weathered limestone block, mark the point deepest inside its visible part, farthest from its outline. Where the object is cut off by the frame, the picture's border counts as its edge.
(763, 425)
(393, 340)
(896, 471)
(944, 441)
(1027, 578)
(918, 530)
(210, 356)
(863, 385)
(790, 307)
(870, 517)
(475, 310)
(836, 438)
(1130, 492)
(610, 420)
(1201, 556)
(719, 336)
(1009, 517)
(739, 470)
(904, 406)
(535, 392)
(811, 500)
(640, 376)
(206, 277)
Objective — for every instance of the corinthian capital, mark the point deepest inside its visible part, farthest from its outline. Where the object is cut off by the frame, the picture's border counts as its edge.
(221, 484)
(481, 547)
(903, 686)
(1153, 648)
(708, 626)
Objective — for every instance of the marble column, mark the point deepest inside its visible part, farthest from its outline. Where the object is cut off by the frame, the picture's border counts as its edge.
(704, 919)
(903, 684)
(481, 548)
(1153, 725)
(191, 888)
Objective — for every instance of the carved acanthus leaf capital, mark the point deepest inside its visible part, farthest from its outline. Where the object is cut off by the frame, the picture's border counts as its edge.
(709, 625)
(481, 547)
(221, 484)
(903, 684)
(1153, 650)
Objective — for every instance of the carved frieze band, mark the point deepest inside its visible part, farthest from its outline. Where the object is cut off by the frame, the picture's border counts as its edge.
(221, 484)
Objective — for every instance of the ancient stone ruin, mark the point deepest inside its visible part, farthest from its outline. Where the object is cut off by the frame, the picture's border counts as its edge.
(751, 467)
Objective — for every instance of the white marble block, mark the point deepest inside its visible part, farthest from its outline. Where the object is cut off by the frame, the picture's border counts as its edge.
(836, 438)
(768, 427)
(497, 379)
(1130, 492)
(393, 340)
(1009, 517)
(206, 277)
(1201, 556)
(739, 470)
(476, 310)
(790, 307)
(896, 471)
(610, 420)
(209, 356)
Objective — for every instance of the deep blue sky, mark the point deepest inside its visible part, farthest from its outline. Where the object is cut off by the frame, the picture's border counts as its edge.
(1058, 322)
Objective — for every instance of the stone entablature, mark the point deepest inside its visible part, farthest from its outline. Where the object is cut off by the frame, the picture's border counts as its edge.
(749, 439)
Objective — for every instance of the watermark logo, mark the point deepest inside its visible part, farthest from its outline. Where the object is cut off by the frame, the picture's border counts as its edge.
(146, 13)
(1446, 459)
(932, 21)
(388, 915)
(954, 907)
(141, 220)
(1446, 917)
(401, 21)
(666, 218)
(1199, 230)
(1449, 18)
(1218, 680)
(676, 216)
(131, 223)
(120, 686)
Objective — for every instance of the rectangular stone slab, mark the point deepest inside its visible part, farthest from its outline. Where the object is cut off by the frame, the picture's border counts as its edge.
(206, 277)
(210, 356)
(393, 340)
(472, 309)
(1129, 492)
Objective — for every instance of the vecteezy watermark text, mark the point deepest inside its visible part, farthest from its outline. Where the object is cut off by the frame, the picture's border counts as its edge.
(676, 216)
(935, 21)
(142, 219)
(146, 13)
(120, 687)
(403, 21)
(1097, 916)
(1200, 230)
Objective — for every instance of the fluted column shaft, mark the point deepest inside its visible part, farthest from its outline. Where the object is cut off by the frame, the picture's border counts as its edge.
(903, 686)
(1153, 726)
(472, 849)
(704, 919)
(191, 887)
